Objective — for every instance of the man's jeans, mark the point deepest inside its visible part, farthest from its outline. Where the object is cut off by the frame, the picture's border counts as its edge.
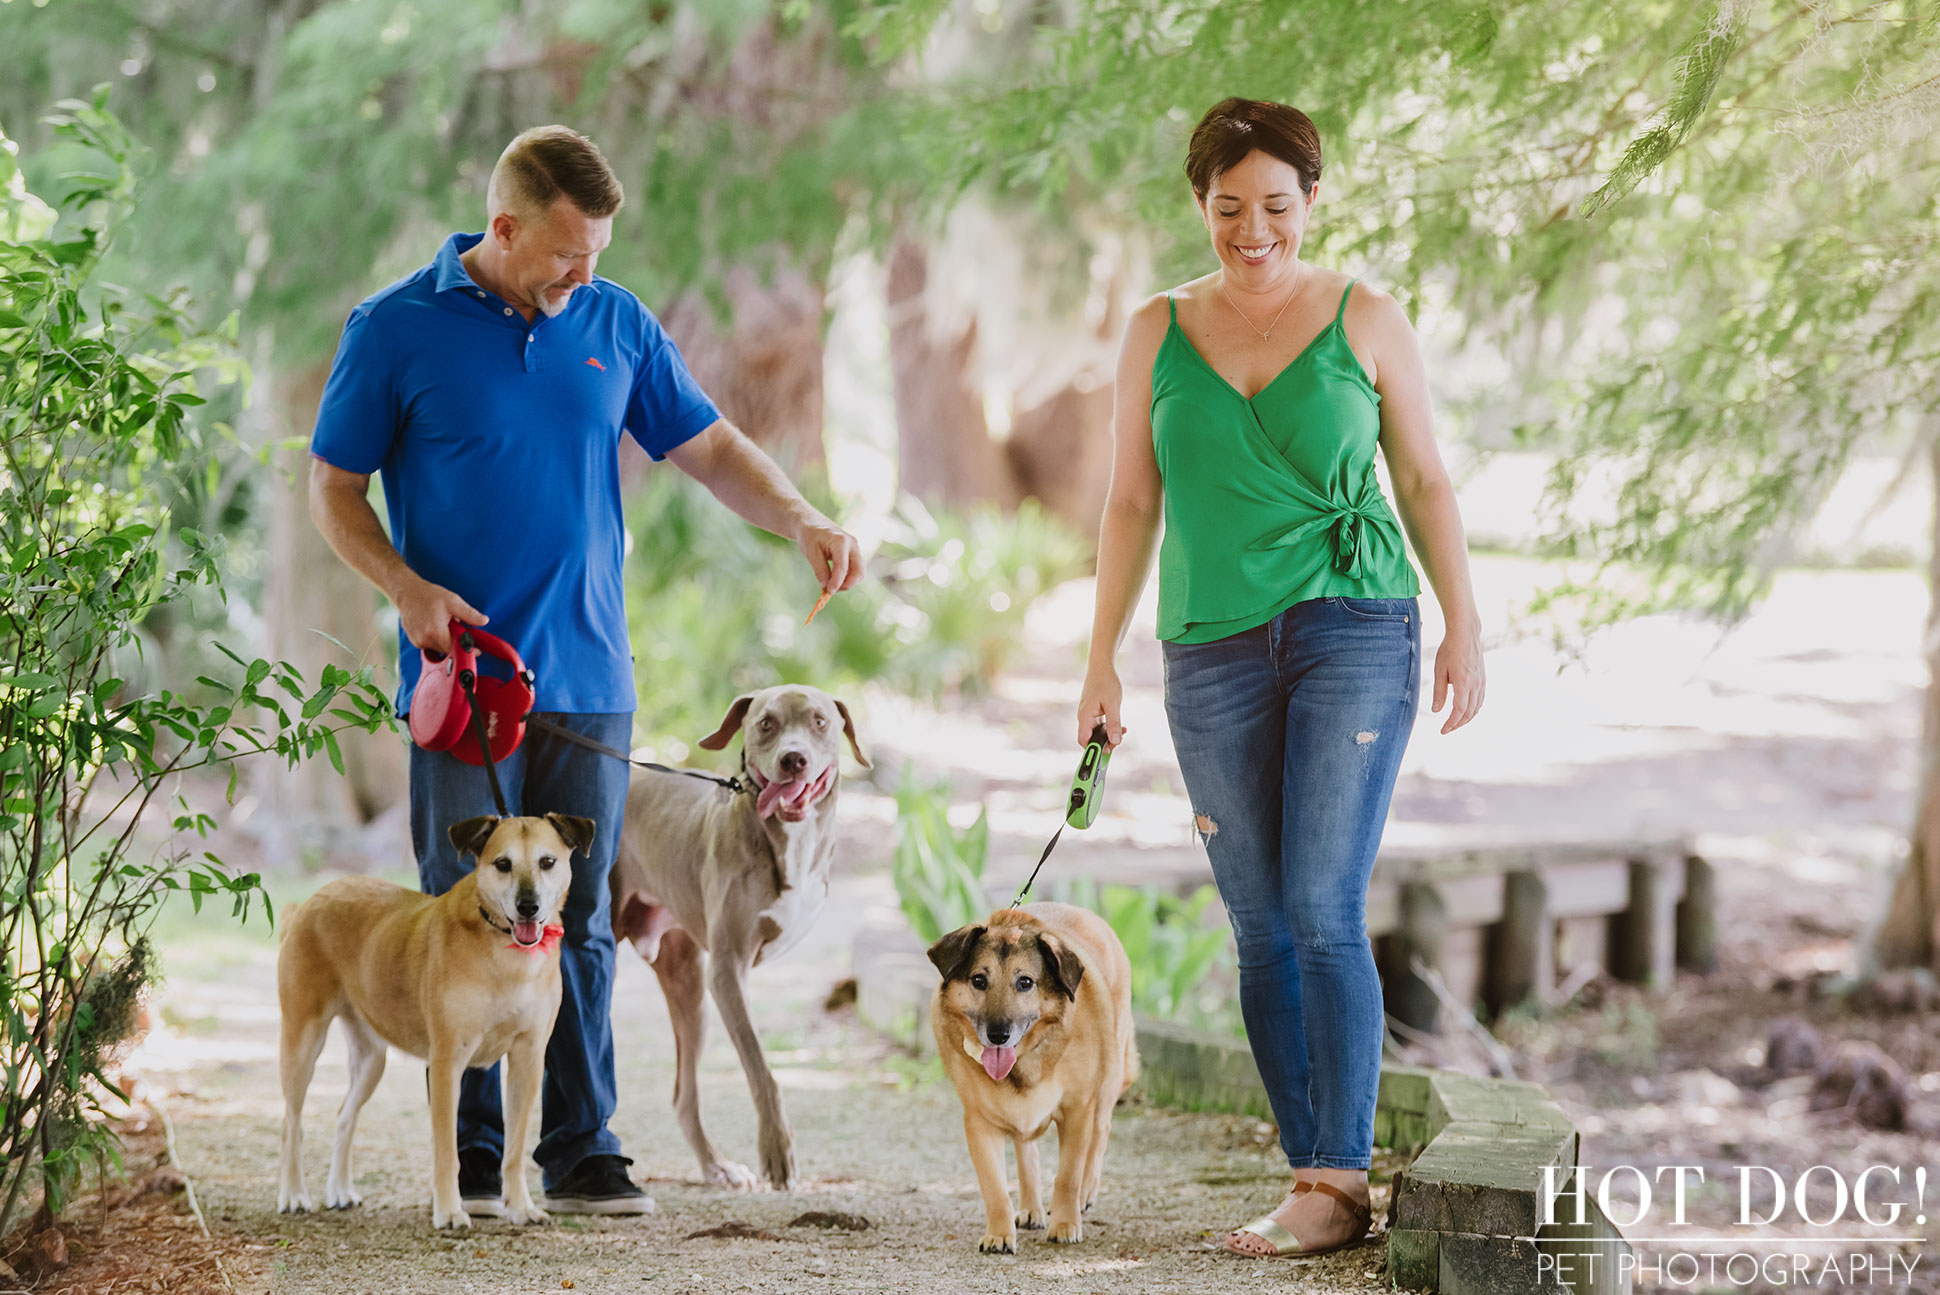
(1289, 737)
(546, 775)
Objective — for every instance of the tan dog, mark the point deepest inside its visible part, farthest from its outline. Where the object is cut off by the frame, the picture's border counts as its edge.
(1033, 1021)
(709, 885)
(460, 979)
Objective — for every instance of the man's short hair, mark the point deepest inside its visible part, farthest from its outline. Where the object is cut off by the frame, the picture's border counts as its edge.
(547, 163)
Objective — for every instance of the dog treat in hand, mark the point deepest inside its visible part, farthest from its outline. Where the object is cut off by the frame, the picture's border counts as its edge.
(820, 603)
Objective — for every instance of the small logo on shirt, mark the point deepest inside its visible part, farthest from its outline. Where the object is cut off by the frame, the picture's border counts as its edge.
(596, 364)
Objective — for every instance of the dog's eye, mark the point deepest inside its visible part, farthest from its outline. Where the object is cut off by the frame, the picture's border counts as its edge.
(821, 721)
(546, 861)
(767, 724)
(503, 865)
(1024, 984)
(980, 981)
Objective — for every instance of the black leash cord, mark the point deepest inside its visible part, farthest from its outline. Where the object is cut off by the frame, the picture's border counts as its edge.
(1050, 846)
(484, 745)
(734, 785)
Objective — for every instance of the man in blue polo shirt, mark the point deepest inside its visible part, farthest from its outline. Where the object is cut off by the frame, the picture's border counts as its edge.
(490, 389)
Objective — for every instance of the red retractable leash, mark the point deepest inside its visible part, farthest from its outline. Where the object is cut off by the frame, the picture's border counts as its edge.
(453, 698)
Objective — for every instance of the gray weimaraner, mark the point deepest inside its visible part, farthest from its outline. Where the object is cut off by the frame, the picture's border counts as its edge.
(740, 877)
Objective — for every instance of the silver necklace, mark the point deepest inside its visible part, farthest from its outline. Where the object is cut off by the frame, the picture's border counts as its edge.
(1276, 319)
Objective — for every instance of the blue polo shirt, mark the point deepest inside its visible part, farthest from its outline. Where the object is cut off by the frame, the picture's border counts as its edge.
(497, 441)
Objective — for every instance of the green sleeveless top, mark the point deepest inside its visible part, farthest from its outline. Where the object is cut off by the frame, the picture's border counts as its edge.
(1273, 500)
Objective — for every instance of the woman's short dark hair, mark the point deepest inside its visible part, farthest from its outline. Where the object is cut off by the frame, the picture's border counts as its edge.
(1232, 128)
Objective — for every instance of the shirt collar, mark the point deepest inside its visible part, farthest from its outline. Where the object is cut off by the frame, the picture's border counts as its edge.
(451, 272)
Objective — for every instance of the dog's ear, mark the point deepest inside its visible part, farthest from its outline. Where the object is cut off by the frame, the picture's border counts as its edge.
(953, 952)
(1062, 968)
(470, 836)
(848, 731)
(575, 831)
(730, 724)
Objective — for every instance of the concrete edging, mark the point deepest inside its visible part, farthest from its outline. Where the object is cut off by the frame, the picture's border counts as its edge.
(1466, 1213)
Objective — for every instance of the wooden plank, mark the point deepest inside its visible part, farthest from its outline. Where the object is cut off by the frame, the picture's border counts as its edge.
(1697, 917)
(1643, 938)
(1463, 958)
(1522, 946)
(1580, 940)
(1403, 863)
(1422, 928)
(1587, 889)
(1383, 907)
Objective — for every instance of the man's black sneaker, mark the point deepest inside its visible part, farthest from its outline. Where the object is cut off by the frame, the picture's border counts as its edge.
(481, 1186)
(598, 1185)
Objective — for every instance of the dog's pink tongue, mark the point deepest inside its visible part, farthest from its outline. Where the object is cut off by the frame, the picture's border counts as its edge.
(998, 1061)
(525, 932)
(775, 793)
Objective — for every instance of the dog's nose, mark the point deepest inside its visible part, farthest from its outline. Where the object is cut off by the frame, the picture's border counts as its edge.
(997, 1033)
(793, 762)
(528, 906)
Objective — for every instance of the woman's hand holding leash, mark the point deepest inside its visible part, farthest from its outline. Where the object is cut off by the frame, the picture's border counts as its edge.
(1101, 702)
(1459, 673)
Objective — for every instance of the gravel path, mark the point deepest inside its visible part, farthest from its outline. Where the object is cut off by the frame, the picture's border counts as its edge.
(877, 1134)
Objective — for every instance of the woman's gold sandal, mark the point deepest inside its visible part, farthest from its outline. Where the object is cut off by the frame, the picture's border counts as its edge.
(1286, 1245)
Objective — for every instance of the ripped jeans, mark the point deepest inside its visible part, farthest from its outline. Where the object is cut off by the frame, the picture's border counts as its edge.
(1289, 736)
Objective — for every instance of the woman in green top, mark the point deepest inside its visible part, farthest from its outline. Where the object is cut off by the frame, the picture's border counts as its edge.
(1249, 404)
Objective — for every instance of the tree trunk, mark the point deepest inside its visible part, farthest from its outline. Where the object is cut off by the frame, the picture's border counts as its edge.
(944, 452)
(309, 589)
(1909, 933)
(1059, 452)
(763, 367)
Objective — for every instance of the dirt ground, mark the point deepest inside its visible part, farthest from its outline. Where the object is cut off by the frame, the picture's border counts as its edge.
(1785, 748)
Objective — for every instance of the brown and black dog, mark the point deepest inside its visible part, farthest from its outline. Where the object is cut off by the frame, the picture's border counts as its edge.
(1033, 1021)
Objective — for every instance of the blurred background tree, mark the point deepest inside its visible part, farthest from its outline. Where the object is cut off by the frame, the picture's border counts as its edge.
(1697, 234)
(1677, 249)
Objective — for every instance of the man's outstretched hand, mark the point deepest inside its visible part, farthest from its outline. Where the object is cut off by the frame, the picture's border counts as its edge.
(832, 554)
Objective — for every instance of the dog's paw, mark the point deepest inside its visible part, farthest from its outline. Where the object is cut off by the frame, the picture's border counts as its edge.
(1066, 1234)
(1031, 1220)
(725, 1173)
(778, 1158)
(292, 1202)
(342, 1200)
(527, 1213)
(456, 1218)
(993, 1244)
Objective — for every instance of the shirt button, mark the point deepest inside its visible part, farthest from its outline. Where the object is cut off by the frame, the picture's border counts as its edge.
(481, 296)
(508, 310)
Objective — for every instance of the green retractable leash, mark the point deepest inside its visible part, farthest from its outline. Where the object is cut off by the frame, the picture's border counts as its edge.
(1087, 787)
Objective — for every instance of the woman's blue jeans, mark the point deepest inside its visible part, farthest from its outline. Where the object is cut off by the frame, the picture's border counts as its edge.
(1290, 736)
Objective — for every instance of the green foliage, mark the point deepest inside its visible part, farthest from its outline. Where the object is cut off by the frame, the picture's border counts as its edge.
(938, 870)
(98, 401)
(314, 155)
(1703, 236)
(717, 605)
(1182, 969)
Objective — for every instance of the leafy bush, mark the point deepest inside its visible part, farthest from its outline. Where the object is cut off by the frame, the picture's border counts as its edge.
(96, 428)
(938, 871)
(1182, 969)
(717, 605)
